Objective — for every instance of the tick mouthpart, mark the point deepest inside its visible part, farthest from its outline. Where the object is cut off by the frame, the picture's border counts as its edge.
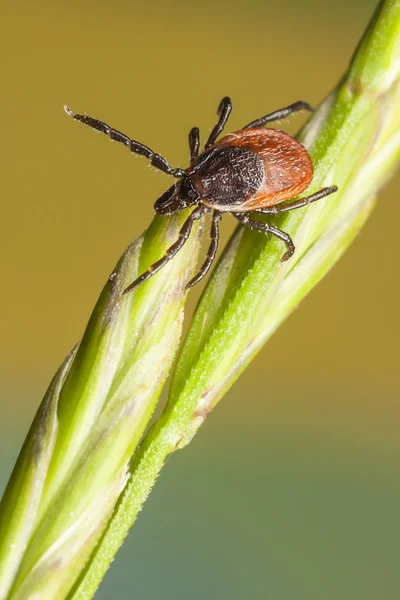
(168, 202)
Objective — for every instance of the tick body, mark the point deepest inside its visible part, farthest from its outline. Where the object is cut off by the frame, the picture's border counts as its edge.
(249, 172)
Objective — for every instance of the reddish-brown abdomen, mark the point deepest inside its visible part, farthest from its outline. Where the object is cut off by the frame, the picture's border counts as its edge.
(288, 167)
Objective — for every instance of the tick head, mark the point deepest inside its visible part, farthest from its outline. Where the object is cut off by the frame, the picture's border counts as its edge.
(181, 195)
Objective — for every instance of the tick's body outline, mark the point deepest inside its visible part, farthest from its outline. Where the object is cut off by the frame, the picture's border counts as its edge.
(252, 170)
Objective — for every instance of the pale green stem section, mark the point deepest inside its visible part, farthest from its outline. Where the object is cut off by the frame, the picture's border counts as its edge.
(75, 462)
(24, 491)
(354, 141)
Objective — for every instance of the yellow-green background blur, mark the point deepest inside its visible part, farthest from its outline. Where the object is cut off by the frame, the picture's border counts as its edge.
(291, 489)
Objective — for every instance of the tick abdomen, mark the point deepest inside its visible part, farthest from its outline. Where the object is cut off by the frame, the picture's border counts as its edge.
(276, 167)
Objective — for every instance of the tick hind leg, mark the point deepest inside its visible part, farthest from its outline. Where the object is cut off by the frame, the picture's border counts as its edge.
(224, 110)
(281, 208)
(136, 147)
(246, 220)
(214, 235)
(183, 236)
(279, 114)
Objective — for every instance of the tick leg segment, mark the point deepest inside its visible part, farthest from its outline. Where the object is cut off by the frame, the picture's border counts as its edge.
(279, 114)
(172, 250)
(224, 110)
(214, 235)
(278, 208)
(266, 228)
(136, 147)
(194, 143)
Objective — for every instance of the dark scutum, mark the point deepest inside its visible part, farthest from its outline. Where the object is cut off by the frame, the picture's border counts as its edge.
(227, 175)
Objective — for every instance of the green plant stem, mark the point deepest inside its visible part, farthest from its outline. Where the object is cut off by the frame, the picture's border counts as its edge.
(354, 141)
(75, 461)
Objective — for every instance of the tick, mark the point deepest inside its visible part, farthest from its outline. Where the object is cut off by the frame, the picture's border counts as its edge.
(248, 172)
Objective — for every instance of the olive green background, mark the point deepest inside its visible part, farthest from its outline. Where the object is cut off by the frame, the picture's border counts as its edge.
(291, 489)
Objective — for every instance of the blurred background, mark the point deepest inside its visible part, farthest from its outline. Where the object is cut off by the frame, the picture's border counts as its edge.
(291, 489)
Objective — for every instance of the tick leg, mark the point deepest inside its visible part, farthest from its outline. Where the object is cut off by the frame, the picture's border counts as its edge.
(279, 114)
(224, 110)
(266, 228)
(172, 250)
(278, 208)
(136, 147)
(194, 143)
(214, 235)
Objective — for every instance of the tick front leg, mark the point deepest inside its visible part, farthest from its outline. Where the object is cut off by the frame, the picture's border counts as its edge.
(244, 219)
(224, 110)
(135, 147)
(194, 143)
